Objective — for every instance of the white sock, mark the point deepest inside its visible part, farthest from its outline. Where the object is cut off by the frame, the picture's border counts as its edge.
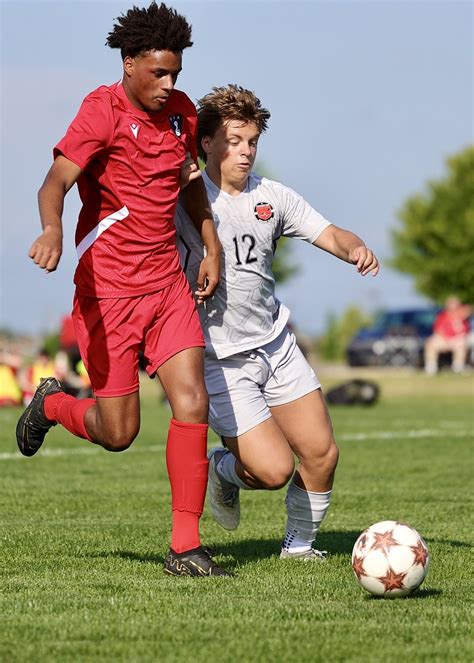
(305, 511)
(226, 470)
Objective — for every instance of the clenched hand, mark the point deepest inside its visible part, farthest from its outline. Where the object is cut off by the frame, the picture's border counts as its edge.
(46, 250)
(365, 260)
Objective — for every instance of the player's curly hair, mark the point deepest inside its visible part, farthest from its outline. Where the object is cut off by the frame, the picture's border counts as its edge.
(153, 28)
(230, 102)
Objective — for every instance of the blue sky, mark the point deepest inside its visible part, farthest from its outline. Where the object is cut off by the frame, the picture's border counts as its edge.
(367, 100)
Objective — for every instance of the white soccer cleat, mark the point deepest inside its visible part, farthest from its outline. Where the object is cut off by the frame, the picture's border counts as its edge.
(224, 497)
(311, 555)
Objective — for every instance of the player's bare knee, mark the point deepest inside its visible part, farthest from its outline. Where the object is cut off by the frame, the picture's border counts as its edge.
(115, 445)
(119, 440)
(324, 457)
(277, 476)
(194, 405)
(331, 456)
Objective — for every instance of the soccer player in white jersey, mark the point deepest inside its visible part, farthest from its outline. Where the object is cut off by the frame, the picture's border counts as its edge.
(266, 402)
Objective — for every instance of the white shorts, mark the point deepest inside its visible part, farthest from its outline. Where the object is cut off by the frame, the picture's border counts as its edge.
(243, 387)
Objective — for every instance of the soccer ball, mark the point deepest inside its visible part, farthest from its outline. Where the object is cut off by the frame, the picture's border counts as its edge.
(390, 559)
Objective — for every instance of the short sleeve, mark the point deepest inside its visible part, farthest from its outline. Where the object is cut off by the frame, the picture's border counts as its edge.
(191, 144)
(300, 220)
(90, 132)
(185, 106)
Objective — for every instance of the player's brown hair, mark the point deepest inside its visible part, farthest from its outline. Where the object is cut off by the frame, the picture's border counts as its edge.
(230, 102)
(153, 28)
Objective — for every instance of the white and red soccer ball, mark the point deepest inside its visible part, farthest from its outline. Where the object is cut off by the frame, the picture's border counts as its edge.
(390, 559)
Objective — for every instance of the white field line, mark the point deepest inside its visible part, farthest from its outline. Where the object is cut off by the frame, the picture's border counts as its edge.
(391, 435)
(348, 437)
(80, 451)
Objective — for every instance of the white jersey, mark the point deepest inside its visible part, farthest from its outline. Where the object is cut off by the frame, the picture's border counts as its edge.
(244, 312)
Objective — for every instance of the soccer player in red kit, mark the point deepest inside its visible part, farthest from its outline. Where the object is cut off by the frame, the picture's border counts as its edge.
(131, 148)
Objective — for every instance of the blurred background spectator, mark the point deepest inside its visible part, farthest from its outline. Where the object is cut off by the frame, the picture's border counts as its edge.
(450, 334)
(10, 391)
(68, 343)
(24, 360)
(43, 366)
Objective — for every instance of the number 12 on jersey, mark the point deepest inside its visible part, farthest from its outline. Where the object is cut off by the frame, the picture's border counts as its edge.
(247, 244)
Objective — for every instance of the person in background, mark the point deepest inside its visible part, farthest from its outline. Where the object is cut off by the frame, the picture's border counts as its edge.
(68, 342)
(450, 334)
(10, 390)
(43, 365)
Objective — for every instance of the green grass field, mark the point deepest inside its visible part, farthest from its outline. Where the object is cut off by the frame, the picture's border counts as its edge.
(84, 532)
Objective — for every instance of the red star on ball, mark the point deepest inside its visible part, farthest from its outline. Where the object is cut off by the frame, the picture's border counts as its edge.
(393, 580)
(420, 552)
(384, 540)
(357, 566)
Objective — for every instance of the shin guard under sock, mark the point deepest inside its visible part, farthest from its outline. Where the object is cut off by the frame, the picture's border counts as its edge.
(69, 412)
(187, 465)
(306, 511)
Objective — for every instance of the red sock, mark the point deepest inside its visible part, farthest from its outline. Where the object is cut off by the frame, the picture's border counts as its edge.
(187, 463)
(69, 412)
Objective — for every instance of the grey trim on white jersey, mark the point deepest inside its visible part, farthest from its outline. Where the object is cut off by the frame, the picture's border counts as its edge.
(244, 312)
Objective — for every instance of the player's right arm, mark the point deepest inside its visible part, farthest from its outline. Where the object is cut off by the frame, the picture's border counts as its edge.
(46, 250)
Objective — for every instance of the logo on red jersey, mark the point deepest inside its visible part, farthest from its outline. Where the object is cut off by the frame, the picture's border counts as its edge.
(135, 128)
(263, 211)
(176, 123)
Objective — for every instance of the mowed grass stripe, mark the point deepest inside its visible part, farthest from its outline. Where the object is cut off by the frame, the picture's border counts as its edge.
(343, 437)
(84, 535)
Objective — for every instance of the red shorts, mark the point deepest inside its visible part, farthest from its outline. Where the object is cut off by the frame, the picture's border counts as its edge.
(112, 332)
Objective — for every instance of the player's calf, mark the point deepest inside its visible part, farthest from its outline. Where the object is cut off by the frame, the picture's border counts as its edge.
(114, 426)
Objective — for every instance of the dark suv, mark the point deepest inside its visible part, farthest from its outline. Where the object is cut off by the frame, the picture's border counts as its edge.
(395, 339)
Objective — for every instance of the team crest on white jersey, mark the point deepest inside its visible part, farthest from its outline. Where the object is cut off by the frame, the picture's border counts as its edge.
(135, 128)
(176, 123)
(263, 211)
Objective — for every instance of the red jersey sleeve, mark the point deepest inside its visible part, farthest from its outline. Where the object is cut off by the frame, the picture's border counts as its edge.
(191, 144)
(188, 111)
(90, 132)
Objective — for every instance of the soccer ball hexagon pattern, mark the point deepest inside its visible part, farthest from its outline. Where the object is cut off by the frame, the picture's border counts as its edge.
(390, 559)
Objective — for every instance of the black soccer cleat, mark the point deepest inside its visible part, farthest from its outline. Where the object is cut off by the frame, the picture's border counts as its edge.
(33, 425)
(195, 562)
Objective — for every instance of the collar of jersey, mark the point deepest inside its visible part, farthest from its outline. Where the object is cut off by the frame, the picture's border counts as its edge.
(154, 117)
(209, 183)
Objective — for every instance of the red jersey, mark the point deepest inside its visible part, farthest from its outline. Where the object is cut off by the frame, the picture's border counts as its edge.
(450, 325)
(129, 185)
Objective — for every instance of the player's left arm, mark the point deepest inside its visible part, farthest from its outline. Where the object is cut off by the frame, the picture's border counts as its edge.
(347, 246)
(195, 202)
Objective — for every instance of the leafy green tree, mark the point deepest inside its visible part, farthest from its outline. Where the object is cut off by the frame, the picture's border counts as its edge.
(436, 241)
(340, 330)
